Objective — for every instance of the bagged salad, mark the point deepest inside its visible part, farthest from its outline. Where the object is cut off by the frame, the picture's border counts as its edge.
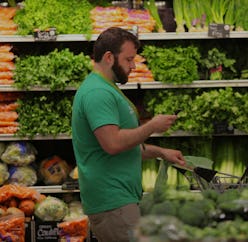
(51, 209)
(4, 174)
(22, 175)
(19, 153)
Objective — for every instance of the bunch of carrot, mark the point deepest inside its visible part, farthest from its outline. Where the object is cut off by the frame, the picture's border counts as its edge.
(8, 104)
(8, 114)
(141, 73)
(12, 228)
(16, 204)
(75, 230)
(7, 24)
(104, 17)
(6, 64)
(18, 200)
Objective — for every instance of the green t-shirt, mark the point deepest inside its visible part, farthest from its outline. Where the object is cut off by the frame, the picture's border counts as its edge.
(106, 181)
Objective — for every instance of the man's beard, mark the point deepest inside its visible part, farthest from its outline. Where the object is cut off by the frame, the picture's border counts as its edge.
(120, 75)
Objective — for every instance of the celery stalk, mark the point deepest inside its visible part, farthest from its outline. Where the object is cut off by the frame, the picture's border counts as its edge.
(230, 14)
(187, 14)
(178, 12)
(241, 8)
(151, 6)
(207, 12)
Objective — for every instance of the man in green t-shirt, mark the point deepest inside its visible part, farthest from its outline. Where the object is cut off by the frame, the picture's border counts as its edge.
(109, 143)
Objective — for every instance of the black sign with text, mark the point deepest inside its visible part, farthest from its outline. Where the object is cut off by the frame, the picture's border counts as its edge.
(46, 35)
(219, 30)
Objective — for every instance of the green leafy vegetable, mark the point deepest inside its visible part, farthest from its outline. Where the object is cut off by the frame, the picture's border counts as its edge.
(56, 70)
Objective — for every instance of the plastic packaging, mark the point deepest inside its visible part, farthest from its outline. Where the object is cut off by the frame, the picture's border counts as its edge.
(51, 209)
(12, 228)
(19, 154)
(4, 174)
(22, 175)
(54, 170)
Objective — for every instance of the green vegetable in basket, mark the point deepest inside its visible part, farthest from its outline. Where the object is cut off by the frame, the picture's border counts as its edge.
(196, 213)
(166, 208)
(146, 203)
(228, 195)
(160, 187)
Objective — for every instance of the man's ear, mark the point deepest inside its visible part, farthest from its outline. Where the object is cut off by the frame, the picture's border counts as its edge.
(108, 58)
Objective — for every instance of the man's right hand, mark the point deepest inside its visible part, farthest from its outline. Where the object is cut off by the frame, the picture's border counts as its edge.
(161, 123)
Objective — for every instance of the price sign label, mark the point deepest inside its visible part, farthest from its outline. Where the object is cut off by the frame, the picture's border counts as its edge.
(219, 30)
(46, 35)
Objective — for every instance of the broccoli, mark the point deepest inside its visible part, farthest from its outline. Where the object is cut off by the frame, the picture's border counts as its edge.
(157, 225)
(228, 195)
(210, 194)
(165, 208)
(161, 186)
(194, 213)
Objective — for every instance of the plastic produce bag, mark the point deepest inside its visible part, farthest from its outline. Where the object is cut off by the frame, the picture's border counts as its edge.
(12, 228)
(4, 174)
(75, 229)
(51, 209)
(19, 154)
(75, 211)
(22, 175)
(2, 147)
(54, 170)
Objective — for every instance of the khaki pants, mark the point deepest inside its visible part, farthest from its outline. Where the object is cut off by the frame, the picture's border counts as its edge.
(115, 225)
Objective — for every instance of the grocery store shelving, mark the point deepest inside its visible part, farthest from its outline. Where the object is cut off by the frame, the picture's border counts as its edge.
(179, 133)
(196, 84)
(187, 35)
(147, 85)
(142, 36)
(53, 189)
(15, 137)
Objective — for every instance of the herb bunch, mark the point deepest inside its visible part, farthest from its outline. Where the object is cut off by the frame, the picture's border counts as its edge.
(44, 114)
(176, 65)
(56, 70)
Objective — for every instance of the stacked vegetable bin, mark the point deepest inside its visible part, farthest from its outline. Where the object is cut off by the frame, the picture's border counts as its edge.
(175, 70)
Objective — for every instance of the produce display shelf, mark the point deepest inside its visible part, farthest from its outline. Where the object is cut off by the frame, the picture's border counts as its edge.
(13, 137)
(146, 85)
(187, 35)
(142, 36)
(11, 88)
(53, 189)
(196, 84)
(181, 133)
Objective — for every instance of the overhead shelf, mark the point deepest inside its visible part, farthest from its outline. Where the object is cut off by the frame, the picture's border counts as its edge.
(142, 36)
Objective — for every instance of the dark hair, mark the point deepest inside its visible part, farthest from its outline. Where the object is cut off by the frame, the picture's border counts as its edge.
(112, 40)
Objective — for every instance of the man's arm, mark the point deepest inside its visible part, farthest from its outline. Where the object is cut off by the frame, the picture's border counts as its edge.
(171, 155)
(115, 140)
